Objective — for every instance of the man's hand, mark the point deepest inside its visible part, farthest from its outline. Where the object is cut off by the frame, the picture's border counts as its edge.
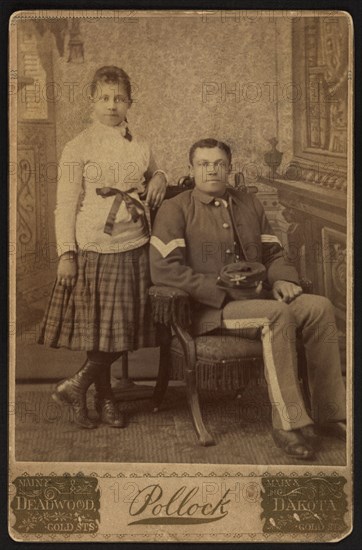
(156, 190)
(284, 291)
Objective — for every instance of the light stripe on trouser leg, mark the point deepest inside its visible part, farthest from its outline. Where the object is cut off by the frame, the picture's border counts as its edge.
(269, 364)
(272, 377)
(315, 314)
(280, 361)
(282, 381)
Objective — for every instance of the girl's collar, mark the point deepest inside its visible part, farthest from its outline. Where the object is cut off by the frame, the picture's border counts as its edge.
(121, 128)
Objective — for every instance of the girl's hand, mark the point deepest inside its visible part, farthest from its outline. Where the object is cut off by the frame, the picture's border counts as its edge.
(156, 191)
(67, 270)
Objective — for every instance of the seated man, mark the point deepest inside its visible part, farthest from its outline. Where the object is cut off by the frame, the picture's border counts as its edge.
(200, 231)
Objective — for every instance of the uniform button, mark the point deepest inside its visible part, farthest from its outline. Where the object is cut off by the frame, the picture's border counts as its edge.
(217, 203)
(237, 257)
(228, 251)
(225, 225)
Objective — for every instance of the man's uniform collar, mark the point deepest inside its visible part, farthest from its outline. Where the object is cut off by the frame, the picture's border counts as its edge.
(202, 197)
(230, 193)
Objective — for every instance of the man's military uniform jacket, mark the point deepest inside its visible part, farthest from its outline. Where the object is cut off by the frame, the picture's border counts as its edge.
(195, 235)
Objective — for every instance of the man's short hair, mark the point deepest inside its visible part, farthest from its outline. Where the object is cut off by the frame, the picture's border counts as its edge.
(209, 143)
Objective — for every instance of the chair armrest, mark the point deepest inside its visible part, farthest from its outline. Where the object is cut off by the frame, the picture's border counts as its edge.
(170, 305)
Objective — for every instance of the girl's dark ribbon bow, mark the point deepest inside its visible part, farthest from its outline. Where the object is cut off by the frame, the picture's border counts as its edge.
(133, 206)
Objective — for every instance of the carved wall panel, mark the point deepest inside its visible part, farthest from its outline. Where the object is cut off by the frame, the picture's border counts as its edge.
(32, 202)
(36, 174)
(321, 76)
(334, 267)
(35, 246)
(326, 48)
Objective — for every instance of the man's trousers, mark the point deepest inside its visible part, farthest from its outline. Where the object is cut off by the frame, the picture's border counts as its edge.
(314, 317)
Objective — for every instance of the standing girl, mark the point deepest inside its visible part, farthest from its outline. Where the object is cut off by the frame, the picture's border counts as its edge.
(99, 301)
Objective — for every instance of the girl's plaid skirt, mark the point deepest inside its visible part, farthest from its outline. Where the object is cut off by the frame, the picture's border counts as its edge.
(107, 309)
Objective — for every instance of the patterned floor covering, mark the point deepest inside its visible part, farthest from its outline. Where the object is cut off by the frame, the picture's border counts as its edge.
(241, 429)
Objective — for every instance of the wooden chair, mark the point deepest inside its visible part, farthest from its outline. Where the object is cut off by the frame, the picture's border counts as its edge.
(216, 361)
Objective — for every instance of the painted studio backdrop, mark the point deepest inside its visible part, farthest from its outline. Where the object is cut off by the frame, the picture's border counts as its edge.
(265, 85)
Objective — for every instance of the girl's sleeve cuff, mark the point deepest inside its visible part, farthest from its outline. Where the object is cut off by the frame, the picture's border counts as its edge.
(66, 247)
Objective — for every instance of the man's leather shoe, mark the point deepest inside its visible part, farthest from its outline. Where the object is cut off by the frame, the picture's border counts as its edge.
(334, 429)
(293, 444)
(310, 434)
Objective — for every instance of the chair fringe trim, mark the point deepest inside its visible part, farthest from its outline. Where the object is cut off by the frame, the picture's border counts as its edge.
(166, 310)
(233, 375)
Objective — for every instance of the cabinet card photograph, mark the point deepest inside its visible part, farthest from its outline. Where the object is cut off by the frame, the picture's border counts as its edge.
(181, 276)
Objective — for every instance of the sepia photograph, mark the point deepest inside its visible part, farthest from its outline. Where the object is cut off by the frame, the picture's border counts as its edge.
(181, 251)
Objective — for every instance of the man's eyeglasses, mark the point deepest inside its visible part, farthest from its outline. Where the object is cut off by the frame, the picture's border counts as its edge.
(213, 165)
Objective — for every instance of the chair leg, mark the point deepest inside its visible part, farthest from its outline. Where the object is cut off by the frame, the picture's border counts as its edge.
(124, 389)
(162, 377)
(164, 334)
(188, 346)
